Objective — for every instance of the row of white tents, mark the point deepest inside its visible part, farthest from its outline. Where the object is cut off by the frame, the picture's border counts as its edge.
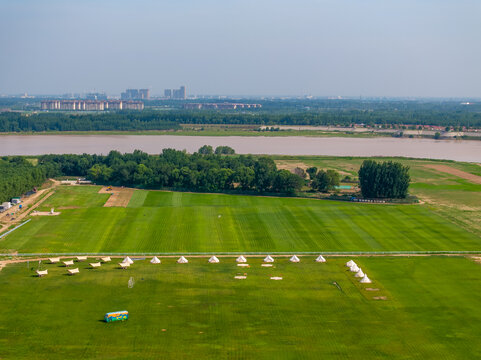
(127, 261)
(358, 272)
(241, 259)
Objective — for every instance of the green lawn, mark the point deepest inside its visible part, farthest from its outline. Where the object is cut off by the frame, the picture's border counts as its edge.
(183, 222)
(431, 311)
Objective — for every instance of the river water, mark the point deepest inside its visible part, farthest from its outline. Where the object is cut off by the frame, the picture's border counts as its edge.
(459, 150)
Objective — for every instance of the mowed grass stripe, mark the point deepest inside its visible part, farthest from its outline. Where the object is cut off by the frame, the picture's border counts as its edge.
(176, 222)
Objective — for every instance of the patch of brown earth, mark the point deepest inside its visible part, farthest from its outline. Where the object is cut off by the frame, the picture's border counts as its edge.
(459, 173)
(379, 298)
(371, 289)
(45, 213)
(119, 197)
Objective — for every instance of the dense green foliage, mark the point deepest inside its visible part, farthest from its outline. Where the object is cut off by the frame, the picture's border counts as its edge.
(121, 121)
(162, 221)
(198, 310)
(384, 180)
(224, 150)
(17, 176)
(325, 181)
(202, 171)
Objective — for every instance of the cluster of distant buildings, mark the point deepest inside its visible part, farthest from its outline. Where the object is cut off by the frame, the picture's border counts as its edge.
(135, 94)
(91, 105)
(176, 94)
(221, 106)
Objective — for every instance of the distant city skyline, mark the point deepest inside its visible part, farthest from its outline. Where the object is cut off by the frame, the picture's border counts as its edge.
(373, 48)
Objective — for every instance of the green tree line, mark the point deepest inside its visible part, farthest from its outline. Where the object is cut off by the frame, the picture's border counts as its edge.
(384, 180)
(208, 171)
(18, 175)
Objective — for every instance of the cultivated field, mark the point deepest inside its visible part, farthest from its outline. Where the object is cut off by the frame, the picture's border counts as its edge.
(199, 310)
(156, 221)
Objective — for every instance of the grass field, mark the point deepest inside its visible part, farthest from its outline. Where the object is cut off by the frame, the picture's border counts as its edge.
(455, 199)
(158, 221)
(431, 311)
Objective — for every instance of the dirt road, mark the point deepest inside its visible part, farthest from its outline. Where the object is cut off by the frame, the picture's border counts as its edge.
(119, 197)
(459, 173)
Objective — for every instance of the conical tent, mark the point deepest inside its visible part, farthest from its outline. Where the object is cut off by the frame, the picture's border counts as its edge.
(213, 260)
(155, 260)
(241, 259)
(182, 260)
(359, 274)
(294, 259)
(320, 258)
(128, 260)
(268, 258)
(350, 263)
(365, 280)
(354, 268)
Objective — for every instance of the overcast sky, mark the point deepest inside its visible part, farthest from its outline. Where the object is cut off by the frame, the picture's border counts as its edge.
(425, 48)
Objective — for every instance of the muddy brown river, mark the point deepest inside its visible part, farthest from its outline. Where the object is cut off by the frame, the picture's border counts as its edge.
(459, 150)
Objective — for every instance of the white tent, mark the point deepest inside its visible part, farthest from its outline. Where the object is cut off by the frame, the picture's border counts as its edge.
(128, 260)
(320, 258)
(365, 280)
(41, 273)
(68, 262)
(95, 265)
(124, 265)
(155, 260)
(214, 260)
(354, 268)
(106, 259)
(182, 260)
(81, 258)
(268, 258)
(54, 260)
(294, 259)
(350, 263)
(241, 259)
(359, 274)
(73, 271)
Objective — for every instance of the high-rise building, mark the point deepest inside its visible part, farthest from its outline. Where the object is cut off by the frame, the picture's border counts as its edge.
(135, 94)
(179, 94)
(144, 94)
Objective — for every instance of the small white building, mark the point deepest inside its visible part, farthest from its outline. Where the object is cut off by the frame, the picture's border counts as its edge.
(6, 205)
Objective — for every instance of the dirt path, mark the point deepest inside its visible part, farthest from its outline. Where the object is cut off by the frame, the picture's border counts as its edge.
(6, 220)
(119, 197)
(459, 173)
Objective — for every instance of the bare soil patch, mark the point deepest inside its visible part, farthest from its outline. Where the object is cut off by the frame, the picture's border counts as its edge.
(45, 213)
(119, 197)
(379, 298)
(459, 173)
(371, 289)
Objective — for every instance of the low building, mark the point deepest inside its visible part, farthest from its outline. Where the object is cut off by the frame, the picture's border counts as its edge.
(91, 105)
(6, 205)
(16, 200)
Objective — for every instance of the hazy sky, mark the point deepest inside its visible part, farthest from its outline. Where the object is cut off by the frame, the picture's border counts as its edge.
(252, 47)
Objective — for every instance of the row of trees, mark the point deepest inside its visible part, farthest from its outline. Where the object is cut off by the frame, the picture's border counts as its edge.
(179, 170)
(384, 180)
(117, 121)
(17, 176)
(343, 112)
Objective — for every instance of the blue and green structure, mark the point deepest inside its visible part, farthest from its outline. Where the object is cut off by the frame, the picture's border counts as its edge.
(116, 316)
